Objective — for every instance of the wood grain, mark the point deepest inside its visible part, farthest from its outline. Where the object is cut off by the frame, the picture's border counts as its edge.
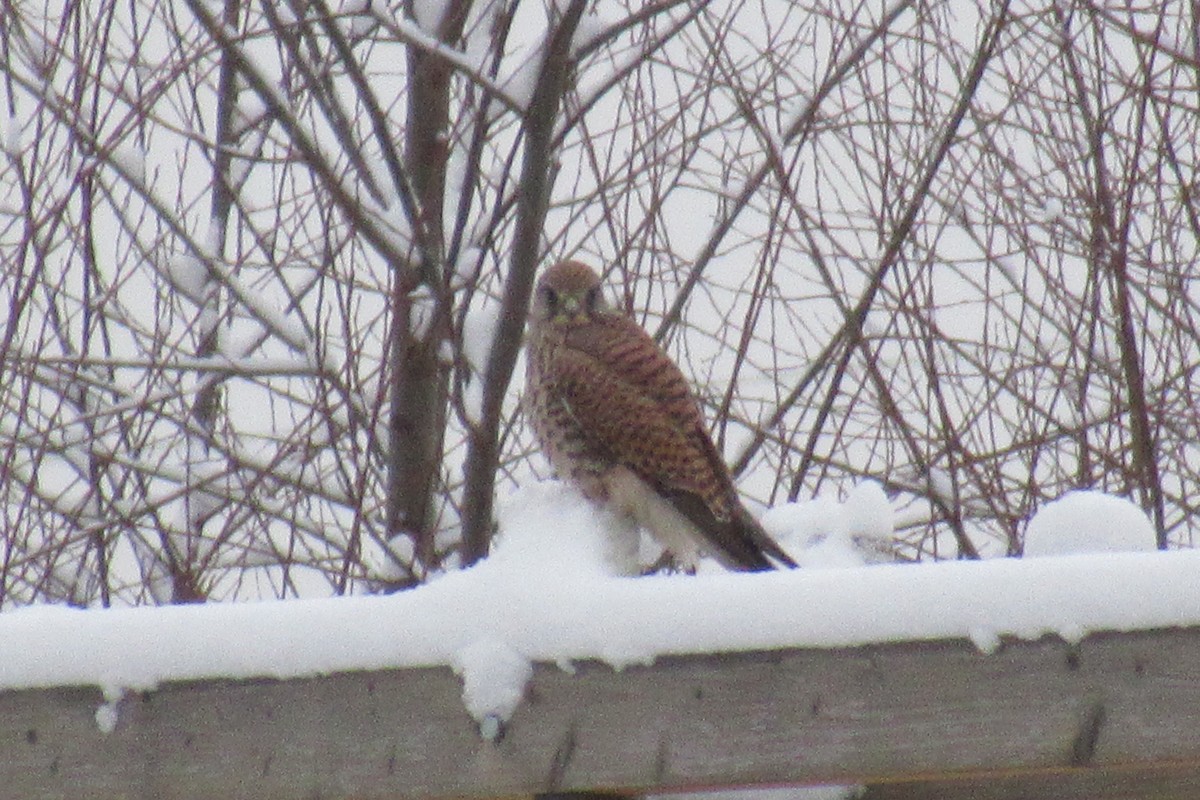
(1106, 718)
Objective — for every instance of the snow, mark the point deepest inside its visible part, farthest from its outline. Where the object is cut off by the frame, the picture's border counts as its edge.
(478, 332)
(479, 329)
(428, 14)
(467, 267)
(14, 137)
(941, 485)
(1053, 211)
(822, 533)
(593, 25)
(1088, 522)
(494, 677)
(422, 305)
(521, 80)
(551, 593)
(188, 275)
(286, 17)
(361, 18)
(108, 713)
(248, 113)
(416, 34)
(130, 161)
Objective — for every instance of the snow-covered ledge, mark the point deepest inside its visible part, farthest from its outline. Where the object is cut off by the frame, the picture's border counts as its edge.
(536, 672)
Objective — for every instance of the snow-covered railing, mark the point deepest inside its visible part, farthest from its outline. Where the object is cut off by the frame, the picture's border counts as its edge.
(1072, 674)
(920, 719)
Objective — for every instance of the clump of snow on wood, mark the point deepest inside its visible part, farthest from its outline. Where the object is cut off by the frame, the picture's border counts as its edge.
(1088, 522)
(551, 594)
(108, 713)
(494, 677)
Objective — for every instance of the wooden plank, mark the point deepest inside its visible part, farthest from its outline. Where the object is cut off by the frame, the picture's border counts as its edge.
(910, 720)
(1160, 782)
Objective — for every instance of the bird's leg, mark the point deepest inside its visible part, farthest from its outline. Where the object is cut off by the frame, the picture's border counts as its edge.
(667, 563)
(624, 542)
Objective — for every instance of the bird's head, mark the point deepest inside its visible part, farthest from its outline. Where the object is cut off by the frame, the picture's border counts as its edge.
(568, 291)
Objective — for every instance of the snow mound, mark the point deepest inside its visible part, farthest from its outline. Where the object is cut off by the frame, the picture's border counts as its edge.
(1088, 522)
(825, 534)
(550, 529)
(494, 677)
(551, 594)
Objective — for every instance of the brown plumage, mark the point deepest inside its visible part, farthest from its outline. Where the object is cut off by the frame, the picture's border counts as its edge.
(617, 419)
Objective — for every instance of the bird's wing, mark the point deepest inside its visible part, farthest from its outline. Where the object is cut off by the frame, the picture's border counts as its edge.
(627, 391)
(738, 542)
(632, 404)
(623, 349)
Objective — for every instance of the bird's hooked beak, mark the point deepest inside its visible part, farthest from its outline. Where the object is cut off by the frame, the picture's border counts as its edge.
(571, 307)
(572, 304)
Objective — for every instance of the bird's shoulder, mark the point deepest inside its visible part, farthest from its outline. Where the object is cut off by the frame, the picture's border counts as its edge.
(625, 354)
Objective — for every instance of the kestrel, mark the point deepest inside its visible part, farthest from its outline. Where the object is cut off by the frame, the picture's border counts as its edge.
(617, 419)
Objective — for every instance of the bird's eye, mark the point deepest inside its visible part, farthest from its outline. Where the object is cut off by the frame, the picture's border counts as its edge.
(550, 301)
(592, 299)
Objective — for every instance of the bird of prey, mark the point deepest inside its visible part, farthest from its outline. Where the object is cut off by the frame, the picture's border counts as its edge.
(617, 419)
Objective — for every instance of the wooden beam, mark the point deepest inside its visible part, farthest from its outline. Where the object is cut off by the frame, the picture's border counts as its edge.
(1160, 782)
(1102, 719)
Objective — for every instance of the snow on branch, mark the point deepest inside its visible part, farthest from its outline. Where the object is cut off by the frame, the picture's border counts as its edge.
(412, 34)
